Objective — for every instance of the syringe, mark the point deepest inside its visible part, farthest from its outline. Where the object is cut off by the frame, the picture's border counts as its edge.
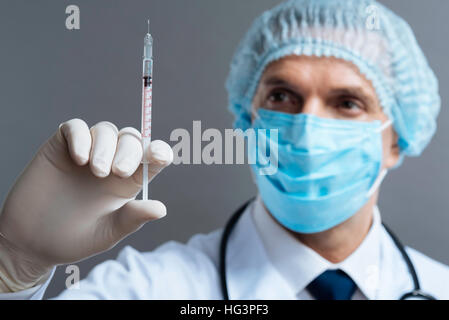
(147, 88)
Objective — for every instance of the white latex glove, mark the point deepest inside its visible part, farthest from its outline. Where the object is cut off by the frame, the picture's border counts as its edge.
(76, 199)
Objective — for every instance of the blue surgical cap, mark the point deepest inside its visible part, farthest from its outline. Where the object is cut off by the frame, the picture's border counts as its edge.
(363, 32)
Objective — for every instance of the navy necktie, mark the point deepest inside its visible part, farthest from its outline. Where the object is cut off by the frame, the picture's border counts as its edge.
(332, 285)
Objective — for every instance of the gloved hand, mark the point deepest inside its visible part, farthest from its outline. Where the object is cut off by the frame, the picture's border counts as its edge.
(76, 199)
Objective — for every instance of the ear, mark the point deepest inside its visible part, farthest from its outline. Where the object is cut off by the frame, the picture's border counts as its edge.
(394, 153)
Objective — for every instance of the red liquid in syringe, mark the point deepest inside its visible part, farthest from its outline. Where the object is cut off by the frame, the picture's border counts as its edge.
(146, 103)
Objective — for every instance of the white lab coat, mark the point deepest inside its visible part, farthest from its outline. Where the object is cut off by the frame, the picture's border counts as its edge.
(190, 271)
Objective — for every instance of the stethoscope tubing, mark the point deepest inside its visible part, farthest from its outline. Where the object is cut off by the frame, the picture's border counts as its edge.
(415, 293)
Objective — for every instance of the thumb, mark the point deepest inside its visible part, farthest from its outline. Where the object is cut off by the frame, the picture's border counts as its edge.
(134, 214)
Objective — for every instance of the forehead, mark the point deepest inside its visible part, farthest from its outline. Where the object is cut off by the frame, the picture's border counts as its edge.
(327, 71)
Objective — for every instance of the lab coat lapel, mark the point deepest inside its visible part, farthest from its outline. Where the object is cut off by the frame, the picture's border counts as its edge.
(250, 275)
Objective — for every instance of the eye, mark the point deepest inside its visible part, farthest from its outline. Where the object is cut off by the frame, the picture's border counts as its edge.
(350, 107)
(283, 100)
(348, 104)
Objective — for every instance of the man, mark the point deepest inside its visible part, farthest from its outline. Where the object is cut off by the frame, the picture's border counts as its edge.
(350, 93)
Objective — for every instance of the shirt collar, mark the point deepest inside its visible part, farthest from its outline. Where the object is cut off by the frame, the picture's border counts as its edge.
(299, 265)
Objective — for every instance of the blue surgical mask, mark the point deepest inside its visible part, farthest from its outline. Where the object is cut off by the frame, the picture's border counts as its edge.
(327, 168)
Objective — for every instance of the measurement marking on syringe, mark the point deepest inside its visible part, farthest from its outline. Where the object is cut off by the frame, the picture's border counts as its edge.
(147, 112)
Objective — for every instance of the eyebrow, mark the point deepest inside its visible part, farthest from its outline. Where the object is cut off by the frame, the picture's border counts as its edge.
(355, 91)
(276, 81)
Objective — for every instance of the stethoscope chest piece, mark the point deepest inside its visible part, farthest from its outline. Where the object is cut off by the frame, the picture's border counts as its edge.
(417, 295)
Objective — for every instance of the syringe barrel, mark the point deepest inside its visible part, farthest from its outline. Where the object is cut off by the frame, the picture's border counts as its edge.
(147, 88)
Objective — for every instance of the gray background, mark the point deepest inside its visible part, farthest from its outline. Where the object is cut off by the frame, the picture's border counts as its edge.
(49, 74)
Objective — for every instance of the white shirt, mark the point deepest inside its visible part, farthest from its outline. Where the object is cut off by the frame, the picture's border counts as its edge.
(299, 265)
(263, 262)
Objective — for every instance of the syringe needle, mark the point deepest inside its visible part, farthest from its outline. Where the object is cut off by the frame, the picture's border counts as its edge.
(148, 21)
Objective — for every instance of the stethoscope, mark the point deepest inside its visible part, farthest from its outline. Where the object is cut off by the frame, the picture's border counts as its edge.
(416, 293)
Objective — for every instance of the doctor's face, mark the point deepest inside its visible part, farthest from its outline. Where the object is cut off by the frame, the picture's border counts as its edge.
(324, 87)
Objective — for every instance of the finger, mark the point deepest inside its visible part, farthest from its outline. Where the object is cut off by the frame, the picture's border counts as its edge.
(76, 134)
(133, 215)
(128, 155)
(159, 155)
(104, 142)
